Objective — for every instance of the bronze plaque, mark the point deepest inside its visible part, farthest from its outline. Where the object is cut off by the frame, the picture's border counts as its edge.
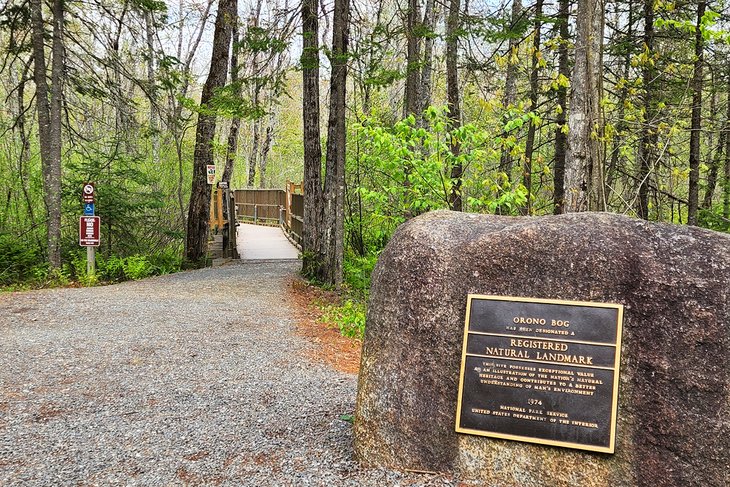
(541, 371)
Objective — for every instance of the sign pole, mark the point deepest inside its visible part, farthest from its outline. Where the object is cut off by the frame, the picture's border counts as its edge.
(90, 261)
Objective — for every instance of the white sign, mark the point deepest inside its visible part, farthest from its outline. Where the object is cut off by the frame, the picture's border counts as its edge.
(88, 193)
(211, 173)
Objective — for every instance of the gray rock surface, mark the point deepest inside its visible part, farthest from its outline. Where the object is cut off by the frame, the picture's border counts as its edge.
(674, 394)
(195, 378)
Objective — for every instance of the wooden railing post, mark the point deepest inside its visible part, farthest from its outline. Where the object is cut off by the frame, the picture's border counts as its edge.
(288, 203)
(232, 243)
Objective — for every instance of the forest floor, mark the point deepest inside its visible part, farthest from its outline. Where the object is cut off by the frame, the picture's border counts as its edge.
(221, 376)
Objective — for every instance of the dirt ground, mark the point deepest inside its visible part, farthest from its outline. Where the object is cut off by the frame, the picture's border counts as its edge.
(330, 346)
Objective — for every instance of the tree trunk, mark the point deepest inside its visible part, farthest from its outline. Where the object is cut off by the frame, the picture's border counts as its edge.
(123, 116)
(49, 119)
(313, 217)
(273, 94)
(613, 169)
(716, 156)
(714, 172)
(561, 139)
(232, 143)
(531, 129)
(334, 186)
(413, 73)
(647, 143)
(253, 155)
(412, 90)
(452, 90)
(265, 148)
(597, 168)
(583, 164)
(510, 81)
(231, 149)
(178, 129)
(199, 209)
(152, 89)
(726, 181)
(25, 154)
(694, 137)
(429, 24)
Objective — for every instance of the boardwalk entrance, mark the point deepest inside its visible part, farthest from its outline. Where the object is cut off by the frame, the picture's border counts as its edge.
(269, 223)
(258, 242)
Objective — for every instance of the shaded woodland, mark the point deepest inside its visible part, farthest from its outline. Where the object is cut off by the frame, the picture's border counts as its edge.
(385, 109)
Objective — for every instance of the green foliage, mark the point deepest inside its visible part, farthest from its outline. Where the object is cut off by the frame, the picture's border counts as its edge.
(349, 418)
(134, 216)
(260, 40)
(687, 26)
(713, 220)
(166, 261)
(18, 262)
(151, 5)
(114, 268)
(508, 199)
(357, 270)
(397, 171)
(137, 267)
(381, 77)
(349, 318)
(77, 269)
(350, 315)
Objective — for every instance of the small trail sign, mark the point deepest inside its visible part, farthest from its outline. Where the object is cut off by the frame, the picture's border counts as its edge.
(210, 171)
(88, 193)
(89, 231)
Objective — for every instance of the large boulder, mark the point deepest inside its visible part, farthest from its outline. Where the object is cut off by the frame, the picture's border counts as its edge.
(673, 424)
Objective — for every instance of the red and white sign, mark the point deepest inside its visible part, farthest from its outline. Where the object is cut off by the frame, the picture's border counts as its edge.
(89, 231)
(210, 172)
(88, 193)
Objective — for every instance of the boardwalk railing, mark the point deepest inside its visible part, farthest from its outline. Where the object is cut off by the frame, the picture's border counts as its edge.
(294, 211)
(272, 207)
(259, 205)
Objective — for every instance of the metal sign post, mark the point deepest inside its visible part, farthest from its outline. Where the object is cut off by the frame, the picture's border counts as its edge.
(90, 261)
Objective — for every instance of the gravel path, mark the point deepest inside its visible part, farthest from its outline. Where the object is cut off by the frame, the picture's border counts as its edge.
(195, 378)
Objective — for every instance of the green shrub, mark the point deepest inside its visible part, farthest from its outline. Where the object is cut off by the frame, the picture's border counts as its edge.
(111, 268)
(137, 267)
(78, 268)
(166, 261)
(713, 221)
(18, 261)
(357, 271)
(349, 318)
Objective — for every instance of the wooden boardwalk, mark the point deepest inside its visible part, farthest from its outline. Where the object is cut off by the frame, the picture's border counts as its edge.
(256, 242)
